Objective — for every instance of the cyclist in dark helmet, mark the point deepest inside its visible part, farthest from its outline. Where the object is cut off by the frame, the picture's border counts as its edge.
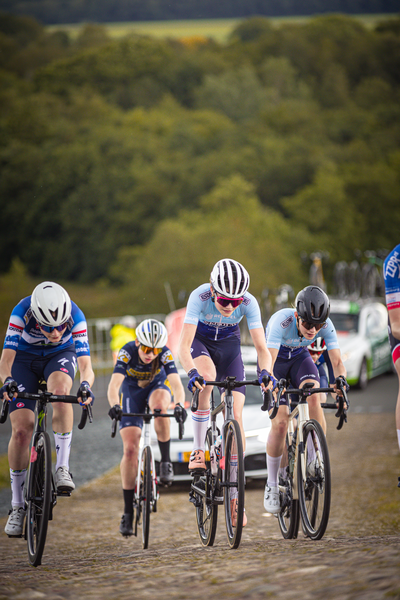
(289, 333)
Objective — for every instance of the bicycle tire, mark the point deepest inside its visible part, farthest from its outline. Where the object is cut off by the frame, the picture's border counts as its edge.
(340, 279)
(39, 497)
(288, 518)
(234, 480)
(315, 489)
(207, 510)
(354, 280)
(145, 495)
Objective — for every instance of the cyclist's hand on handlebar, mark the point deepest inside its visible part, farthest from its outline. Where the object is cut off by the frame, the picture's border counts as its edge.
(9, 389)
(115, 412)
(195, 380)
(84, 390)
(180, 413)
(340, 382)
(267, 381)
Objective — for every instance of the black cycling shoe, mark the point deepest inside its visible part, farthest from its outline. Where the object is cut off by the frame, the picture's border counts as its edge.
(166, 473)
(125, 527)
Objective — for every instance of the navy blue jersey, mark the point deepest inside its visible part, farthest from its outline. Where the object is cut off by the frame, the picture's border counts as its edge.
(129, 364)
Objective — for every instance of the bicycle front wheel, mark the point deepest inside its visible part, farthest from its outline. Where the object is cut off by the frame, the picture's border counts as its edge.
(233, 483)
(206, 507)
(145, 494)
(314, 481)
(38, 497)
(288, 518)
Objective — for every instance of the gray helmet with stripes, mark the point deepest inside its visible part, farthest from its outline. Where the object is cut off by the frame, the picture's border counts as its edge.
(229, 278)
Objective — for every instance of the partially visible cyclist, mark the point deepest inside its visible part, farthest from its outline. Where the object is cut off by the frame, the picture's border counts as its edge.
(145, 369)
(289, 332)
(46, 340)
(391, 275)
(210, 346)
(316, 350)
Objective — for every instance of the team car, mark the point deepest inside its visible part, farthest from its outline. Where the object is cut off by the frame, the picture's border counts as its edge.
(363, 339)
(256, 425)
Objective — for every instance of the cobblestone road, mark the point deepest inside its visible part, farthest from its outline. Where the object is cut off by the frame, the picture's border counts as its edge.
(359, 557)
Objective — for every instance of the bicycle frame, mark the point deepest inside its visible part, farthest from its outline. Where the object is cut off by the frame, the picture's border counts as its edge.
(146, 442)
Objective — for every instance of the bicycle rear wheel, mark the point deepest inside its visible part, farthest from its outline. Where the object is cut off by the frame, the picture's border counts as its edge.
(206, 508)
(39, 497)
(288, 518)
(314, 481)
(233, 483)
(145, 494)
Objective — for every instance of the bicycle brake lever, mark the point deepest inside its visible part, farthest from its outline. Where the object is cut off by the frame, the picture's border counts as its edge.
(195, 400)
(4, 411)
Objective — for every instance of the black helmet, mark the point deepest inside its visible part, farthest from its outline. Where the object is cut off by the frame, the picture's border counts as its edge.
(312, 305)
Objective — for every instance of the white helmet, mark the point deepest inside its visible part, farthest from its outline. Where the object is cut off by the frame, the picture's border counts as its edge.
(50, 304)
(229, 278)
(152, 333)
(318, 345)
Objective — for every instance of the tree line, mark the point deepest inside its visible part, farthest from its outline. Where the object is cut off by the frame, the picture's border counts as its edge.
(133, 162)
(100, 11)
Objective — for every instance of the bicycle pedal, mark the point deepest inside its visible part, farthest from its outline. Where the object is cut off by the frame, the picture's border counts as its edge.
(63, 493)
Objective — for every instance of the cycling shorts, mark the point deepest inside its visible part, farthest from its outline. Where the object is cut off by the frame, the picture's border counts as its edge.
(134, 399)
(226, 356)
(394, 346)
(296, 369)
(29, 369)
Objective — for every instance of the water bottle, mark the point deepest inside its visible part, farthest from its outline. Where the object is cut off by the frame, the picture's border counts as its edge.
(215, 454)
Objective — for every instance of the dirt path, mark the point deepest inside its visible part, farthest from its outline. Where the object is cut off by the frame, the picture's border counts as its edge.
(359, 557)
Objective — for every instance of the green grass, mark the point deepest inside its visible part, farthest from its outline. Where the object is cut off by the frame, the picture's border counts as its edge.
(5, 470)
(217, 29)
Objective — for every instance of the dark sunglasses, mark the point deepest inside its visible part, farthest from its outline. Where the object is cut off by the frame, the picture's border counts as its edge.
(225, 302)
(147, 350)
(51, 329)
(309, 326)
(315, 351)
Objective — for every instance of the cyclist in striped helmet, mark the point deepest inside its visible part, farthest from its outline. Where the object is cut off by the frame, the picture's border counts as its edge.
(210, 346)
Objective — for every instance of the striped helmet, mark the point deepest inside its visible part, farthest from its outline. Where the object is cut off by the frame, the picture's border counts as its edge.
(152, 333)
(229, 278)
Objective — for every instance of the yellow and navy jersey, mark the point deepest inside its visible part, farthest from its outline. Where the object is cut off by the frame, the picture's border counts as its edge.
(129, 364)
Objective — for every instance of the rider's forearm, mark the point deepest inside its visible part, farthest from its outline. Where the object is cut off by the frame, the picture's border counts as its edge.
(6, 363)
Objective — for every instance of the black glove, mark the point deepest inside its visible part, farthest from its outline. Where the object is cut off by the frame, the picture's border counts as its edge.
(85, 387)
(115, 412)
(341, 382)
(194, 376)
(10, 387)
(180, 413)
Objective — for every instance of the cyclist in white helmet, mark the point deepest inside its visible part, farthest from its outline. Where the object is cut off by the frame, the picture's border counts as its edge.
(210, 346)
(46, 340)
(141, 373)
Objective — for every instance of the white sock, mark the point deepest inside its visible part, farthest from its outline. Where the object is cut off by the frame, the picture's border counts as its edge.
(63, 448)
(17, 487)
(398, 437)
(200, 425)
(273, 463)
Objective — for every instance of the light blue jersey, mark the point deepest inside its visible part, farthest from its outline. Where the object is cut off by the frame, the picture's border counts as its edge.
(282, 334)
(201, 311)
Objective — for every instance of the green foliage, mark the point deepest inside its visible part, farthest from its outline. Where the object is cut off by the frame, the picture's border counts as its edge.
(145, 160)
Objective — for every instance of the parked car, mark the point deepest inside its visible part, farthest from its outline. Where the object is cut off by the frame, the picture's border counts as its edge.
(363, 339)
(256, 425)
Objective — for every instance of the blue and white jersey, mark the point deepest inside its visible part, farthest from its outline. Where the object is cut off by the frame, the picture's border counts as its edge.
(23, 332)
(391, 274)
(129, 364)
(201, 311)
(282, 334)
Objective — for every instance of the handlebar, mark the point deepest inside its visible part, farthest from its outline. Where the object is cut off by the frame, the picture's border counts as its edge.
(308, 390)
(229, 384)
(154, 415)
(49, 397)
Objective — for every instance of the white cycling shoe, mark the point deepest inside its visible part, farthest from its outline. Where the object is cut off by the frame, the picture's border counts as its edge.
(271, 500)
(63, 480)
(15, 523)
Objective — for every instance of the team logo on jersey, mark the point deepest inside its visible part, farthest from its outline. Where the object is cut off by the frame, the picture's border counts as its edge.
(124, 356)
(28, 315)
(246, 301)
(64, 370)
(20, 405)
(205, 296)
(167, 357)
(285, 324)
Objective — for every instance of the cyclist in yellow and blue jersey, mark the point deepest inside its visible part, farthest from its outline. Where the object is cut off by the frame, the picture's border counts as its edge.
(145, 369)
